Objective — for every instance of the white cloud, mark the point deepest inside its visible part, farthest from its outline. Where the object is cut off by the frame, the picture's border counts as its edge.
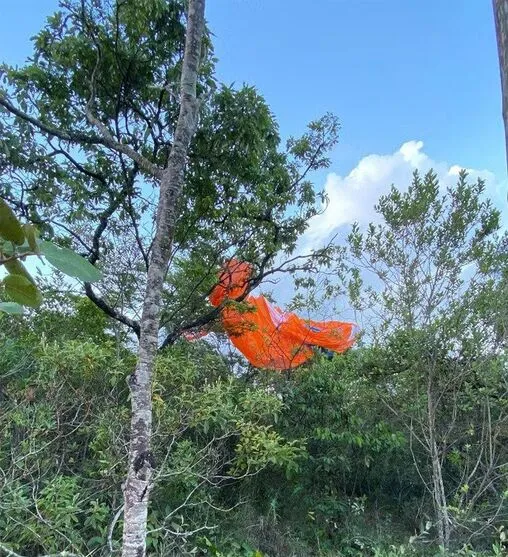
(352, 197)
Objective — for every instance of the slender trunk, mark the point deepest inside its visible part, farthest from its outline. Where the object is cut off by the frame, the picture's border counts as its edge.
(440, 504)
(501, 19)
(141, 462)
(438, 490)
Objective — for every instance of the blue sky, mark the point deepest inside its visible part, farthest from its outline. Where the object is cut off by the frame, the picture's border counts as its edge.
(393, 71)
(415, 83)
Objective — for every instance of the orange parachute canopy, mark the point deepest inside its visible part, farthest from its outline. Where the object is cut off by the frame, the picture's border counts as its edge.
(267, 336)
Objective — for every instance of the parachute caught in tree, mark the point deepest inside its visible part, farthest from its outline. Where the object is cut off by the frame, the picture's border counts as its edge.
(266, 335)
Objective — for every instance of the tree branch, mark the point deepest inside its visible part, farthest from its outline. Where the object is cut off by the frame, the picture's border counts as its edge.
(105, 139)
(109, 141)
(79, 166)
(111, 528)
(73, 137)
(10, 553)
(112, 312)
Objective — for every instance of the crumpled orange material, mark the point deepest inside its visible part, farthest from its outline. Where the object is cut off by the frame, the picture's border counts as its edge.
(268, 336)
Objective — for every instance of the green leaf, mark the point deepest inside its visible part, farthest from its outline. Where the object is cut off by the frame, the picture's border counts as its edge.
(11, 307)
(21, 290)
(31, 234)
(7, 247)
(70, 263)
(10, 227)
(15, 267)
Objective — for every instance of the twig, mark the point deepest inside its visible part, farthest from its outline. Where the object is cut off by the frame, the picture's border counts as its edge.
(11, 553)
(117, 516)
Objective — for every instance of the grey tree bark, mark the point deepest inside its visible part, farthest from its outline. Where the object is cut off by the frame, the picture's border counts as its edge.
(141, 462)
(438, 490)
(501, 19)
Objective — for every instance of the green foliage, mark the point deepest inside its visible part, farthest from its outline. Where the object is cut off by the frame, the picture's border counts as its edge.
(431, 248)
(337, 458)
(245, 194)
(21, 290)
(11, 307)
(18, 242)
(10, 228)
(63, 438)
(53, 419)
(68, 262)
(431, 271)
(232, 549)
(350, 452)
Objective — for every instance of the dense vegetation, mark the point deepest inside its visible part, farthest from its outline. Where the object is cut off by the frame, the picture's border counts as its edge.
(397, 447)
(335, 458)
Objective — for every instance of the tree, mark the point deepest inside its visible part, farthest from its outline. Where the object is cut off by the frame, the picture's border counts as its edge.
(171, 175)
(141, 463)
(96, 124)
(244, 196)
(426, 272)
(501, 22)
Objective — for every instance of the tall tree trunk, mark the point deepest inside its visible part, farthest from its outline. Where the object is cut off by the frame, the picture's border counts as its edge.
(141, 462)
(438, 490)
(501, 19)
(440, 503)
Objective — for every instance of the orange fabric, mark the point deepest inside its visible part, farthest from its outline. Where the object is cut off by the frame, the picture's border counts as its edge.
(233, 282)
(267, 336)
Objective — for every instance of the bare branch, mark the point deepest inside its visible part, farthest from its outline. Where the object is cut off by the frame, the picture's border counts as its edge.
(124, 148)
(111, 311)
(111, 528)
(11, 553)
